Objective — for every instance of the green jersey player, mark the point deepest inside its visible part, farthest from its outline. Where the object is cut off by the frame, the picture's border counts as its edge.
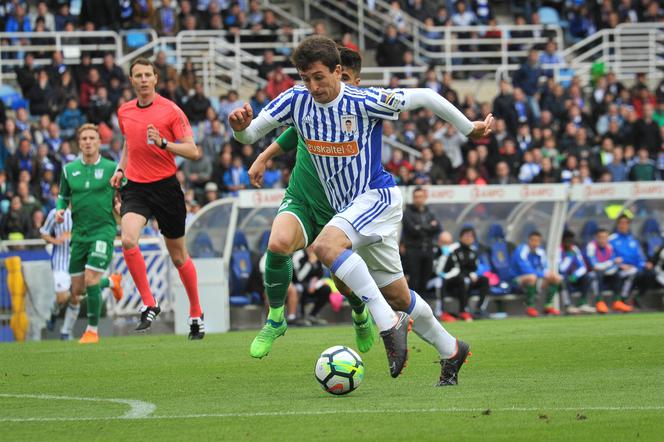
(85, 185)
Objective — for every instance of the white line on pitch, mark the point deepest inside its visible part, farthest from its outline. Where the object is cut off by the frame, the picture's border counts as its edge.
(137, 409)
(332, 412)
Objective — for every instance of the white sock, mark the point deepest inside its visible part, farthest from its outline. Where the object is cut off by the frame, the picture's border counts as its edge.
(427, 327)
(110, 283)
(92, 328)
(70, 318)
(353, 271)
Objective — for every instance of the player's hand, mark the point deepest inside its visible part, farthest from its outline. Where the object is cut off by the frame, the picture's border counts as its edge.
(618, 260)
(60, 216)
(256, 172)
(482, 128)
(241, 117)
(116, 179)
(153, 134)
(649, 265)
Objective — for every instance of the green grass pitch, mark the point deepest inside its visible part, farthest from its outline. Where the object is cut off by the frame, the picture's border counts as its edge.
(583, 378)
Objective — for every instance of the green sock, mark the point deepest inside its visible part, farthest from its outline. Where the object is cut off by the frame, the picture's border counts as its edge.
(356, 303)
(276, 315)
(551, 292)
(94, 304)
(104, 282)
(531, 293)
(278, 276)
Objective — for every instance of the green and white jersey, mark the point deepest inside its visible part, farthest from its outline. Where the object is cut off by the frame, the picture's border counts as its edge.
(88, 189)
(304, 181)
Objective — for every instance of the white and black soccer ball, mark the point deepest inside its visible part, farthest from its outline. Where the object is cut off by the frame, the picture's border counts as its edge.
(339, 370)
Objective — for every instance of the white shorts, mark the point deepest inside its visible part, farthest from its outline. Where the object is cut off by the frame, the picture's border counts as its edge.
(372, 224)
(62, 281)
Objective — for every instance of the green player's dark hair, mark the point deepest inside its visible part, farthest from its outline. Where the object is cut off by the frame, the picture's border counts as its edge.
(351, 60)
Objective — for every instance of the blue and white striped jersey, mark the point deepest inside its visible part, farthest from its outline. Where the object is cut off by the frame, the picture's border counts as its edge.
(60, 253)
(344, 136)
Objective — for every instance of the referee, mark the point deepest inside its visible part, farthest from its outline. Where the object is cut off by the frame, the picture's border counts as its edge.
(155, 131)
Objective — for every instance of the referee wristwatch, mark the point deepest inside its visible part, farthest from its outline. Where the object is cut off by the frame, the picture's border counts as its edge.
(164, 143)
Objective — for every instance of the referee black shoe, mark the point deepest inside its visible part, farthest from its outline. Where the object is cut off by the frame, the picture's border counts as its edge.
(396, 344)
(196, 328)
(449, 368)
(148, 314)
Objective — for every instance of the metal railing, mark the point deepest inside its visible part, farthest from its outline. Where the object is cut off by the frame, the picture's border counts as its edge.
(13, 46)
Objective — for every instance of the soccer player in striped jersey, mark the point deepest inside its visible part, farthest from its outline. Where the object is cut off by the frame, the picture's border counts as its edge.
(303, 213)
(59, 234)
(342, 127)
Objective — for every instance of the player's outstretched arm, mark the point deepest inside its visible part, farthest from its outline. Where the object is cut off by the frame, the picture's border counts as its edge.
(246, 128)
(428, 98)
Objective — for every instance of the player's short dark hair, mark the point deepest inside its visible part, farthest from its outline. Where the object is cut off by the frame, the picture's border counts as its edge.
(418, 189)
(623, 216)
(568, 234)
(467, 229)
(316, 48)
(350, 60)
(534, 233)
(144, 62)
(602, 230)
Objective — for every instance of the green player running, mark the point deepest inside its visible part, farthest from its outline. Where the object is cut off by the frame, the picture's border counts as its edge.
(85, 185)
(303, 213)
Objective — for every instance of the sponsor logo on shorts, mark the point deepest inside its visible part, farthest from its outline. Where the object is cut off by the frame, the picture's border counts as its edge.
(331, 149)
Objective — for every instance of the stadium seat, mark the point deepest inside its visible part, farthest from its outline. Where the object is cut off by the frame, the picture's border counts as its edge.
(549, 16)
(241, 266)
(651, 236)
(203, 247)
(262, 244)
(588, 231)
(499, 259)
(136, 40)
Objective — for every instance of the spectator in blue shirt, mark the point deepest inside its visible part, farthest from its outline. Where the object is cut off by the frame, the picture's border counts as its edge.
(529, 265)
(617, 167)
(549, 56)
(527, 78)
(70, 119)
(236, 178)
(633, 268)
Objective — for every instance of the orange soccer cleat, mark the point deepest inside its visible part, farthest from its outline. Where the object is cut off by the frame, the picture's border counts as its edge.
(602, 307)
(532, 312)
(89, 337)
(446, 317)
(117, 286)
(552, 311)
(620, 306)
(465, 316)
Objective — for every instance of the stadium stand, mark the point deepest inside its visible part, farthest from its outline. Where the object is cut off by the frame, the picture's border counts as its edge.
(574, 111)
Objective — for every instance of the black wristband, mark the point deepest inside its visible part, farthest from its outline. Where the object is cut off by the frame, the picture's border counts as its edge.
(164, 143)
(119, 169)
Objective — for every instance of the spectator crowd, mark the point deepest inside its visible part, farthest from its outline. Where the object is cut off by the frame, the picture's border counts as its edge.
(546, 131)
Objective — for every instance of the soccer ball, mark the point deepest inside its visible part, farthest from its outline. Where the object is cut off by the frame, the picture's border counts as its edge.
(339, 370)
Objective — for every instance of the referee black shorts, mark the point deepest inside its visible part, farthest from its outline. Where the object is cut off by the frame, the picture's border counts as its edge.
(162, 199)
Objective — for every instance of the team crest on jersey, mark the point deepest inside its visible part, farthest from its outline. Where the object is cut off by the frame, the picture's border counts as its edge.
(389, 100)
(99, 173)
(348, 124)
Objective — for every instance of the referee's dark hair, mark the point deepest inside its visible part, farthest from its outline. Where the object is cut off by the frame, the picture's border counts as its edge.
(144, 62)
(350, 60)
(316, 48)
